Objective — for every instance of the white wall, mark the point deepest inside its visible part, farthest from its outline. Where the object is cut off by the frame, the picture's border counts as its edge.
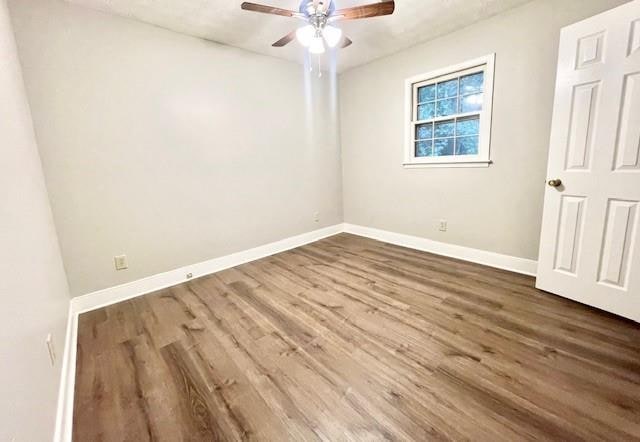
(169, 149)
(34, 296)
(497, 209)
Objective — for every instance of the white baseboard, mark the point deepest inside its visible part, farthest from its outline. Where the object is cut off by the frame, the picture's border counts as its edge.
(152, 283)
(64, 412)
(491, 259)
(113, 295)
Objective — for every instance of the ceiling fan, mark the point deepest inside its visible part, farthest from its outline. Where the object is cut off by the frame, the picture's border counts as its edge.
(319, 16)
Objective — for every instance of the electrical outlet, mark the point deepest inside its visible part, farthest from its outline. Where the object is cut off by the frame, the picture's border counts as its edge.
(121, 262)
(52, 350)
(443, 225)
(316, 217)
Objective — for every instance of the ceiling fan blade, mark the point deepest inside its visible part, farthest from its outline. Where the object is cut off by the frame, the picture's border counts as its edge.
(248, 6)
(285, 40)
(345, 42)
(365, 11)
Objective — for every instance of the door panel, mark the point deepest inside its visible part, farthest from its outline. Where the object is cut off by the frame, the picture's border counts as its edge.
(619, 235)
(634, 40)
(589, 248)
(590, 50)
(570, 233)
(628, 148)
(583, 115)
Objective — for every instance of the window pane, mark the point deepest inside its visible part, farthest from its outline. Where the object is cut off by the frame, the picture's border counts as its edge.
(447, 107)
(445, 129)
(468, 126)
(448, 89)
(423, 148)
(471, 103)
(467, 146)
(443, 147)
(470, 84)
(426, 111)
(424, 131)
(426, 93)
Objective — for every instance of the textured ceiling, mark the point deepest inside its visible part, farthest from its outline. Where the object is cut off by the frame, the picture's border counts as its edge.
(223, 21)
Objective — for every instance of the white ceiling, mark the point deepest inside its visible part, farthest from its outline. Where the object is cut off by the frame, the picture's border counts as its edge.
(223, 21)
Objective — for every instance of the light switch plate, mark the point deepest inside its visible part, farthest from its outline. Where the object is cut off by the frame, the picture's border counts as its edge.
(121, 262)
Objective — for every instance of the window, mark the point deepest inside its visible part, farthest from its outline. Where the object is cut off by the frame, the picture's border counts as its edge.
(449, 116)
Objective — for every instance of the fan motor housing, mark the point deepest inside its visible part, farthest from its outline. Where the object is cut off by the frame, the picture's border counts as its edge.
(306, 8)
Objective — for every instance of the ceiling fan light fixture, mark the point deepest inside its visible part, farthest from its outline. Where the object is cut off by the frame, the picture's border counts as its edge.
(317, 45)
(332, 35)
(319, 16)
(305, 35)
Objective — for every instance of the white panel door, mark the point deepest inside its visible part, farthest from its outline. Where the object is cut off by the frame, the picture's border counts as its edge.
(590, 243)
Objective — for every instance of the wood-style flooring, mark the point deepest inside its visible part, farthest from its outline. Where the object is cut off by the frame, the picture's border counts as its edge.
(353, 339)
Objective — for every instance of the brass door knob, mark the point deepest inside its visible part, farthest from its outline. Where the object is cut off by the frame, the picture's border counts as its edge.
(555, 183)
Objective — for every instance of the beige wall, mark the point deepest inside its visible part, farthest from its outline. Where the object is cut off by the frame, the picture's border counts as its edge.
(497, 209)
(169, 149)
(34, 297)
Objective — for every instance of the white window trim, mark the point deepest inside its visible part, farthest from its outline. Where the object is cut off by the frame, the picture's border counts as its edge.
(484, 142)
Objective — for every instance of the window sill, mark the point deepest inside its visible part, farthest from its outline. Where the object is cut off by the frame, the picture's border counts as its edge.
(451, 164)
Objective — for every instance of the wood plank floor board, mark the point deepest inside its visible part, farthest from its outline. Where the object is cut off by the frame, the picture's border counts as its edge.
(353, 339)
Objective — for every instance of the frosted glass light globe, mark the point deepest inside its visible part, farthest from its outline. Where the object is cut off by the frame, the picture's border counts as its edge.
(305, 35)
(332, 35)
(317, 46)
